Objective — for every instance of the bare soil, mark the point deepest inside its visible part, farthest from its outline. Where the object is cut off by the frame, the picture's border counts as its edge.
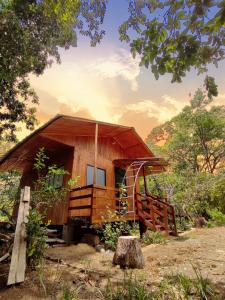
(88, 271)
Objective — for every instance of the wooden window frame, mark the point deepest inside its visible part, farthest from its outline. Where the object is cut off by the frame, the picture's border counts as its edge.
(89, 165)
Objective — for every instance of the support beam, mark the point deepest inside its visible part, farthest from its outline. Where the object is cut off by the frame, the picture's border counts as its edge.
(95, 153)
(145, 182)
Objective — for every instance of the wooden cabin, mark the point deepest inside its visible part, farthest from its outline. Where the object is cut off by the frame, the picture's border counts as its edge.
(104, 156)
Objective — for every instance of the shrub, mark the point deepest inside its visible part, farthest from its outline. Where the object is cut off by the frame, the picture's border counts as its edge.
(43, 196)
(151, 237)
(112, 231)
(113, 227)
(9, 193)
(36, 237)
(217, 218)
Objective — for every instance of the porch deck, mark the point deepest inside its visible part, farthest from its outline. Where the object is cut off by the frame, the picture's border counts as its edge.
(95, 201)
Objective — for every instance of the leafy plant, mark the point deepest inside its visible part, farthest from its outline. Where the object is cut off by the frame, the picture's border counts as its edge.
(113, 227)
(36, 237)
(151, 237)
(43, 196)
(173, 36)
(9, 193)
(45, 193)
(217, 218)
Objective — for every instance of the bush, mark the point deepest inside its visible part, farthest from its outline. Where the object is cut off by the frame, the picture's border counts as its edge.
(217, 218)
(36, 237)
(43, 196)
(112, 231)
(113, 226)
(192, 194)
(151, 237)
(9, 193)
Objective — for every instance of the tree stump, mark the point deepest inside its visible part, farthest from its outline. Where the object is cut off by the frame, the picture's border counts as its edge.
(128, 253)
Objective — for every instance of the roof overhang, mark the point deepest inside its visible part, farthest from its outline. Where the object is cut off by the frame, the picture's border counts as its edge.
(61, 126)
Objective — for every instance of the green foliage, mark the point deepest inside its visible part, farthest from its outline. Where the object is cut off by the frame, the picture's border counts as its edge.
(175, 287)
(173, 36)
(151, 237)
(194, 147)
(45, 193)
(69, 294)
(31, 34)
(217, 218)
(36, 237)
(9, 193)
(130, 289)
(170, 36)
(43, 196)
(192, 194)
(202, 285)
(113, 230)
(194, 139)
(114, 226)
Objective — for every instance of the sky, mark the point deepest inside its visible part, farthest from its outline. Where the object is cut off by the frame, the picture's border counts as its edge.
(105, 83)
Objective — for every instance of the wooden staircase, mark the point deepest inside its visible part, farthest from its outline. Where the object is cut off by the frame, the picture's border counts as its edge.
(154, 213)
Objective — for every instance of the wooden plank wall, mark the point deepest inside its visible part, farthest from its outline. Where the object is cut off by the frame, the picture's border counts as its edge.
(104, 198)
(75, 161)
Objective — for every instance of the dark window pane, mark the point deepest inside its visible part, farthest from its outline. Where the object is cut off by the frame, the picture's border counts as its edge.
(90, 175)
(119, 175)
(100, 177)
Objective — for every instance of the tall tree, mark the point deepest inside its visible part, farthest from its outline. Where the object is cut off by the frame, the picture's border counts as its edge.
(194, 139)
(31, 32)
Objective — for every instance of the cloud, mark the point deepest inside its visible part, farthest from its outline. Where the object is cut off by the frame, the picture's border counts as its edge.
(142, 123)
(163, 109)
(119, 64)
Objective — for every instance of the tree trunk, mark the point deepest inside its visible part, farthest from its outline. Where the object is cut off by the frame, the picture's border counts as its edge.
(128, 253)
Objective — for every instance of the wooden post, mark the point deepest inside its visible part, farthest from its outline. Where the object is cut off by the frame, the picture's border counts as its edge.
(18, 260)
(95, 153)
(145, 183)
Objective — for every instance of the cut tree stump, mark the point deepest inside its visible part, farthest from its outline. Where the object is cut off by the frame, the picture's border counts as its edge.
(128, 253)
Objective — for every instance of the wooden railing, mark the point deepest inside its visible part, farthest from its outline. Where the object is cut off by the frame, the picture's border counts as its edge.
(94, 201)
(81, 201)
(156, 214)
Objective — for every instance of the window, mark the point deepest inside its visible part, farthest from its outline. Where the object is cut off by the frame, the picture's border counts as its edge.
(100, 176)
(90, 175)
(119, 175)
(56, 180)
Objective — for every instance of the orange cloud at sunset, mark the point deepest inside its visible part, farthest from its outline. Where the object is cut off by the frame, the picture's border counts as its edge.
(107, 84)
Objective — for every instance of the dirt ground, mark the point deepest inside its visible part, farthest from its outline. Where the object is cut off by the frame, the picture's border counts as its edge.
(88, 271)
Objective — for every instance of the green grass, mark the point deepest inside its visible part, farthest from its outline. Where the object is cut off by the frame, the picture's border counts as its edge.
(151, 237)
(177, 287)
